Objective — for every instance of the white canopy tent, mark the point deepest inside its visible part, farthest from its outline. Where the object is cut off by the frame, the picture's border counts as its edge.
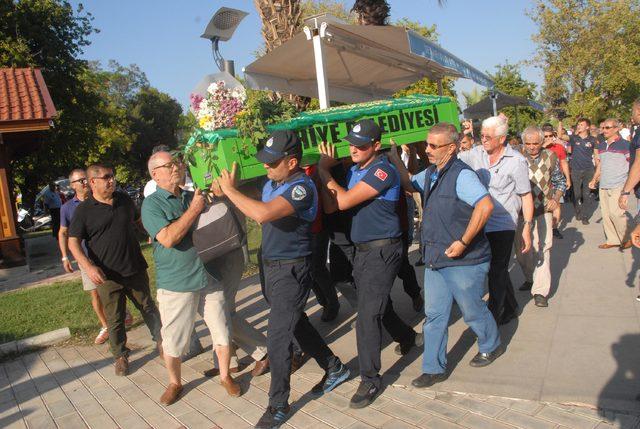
(331, 60)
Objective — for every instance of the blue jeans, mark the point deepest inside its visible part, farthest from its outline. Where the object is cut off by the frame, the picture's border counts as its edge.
(465, 284)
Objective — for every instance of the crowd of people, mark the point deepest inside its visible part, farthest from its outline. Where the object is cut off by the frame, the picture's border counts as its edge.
(478, 199)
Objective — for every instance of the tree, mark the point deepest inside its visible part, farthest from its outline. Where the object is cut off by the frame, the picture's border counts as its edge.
(589, 51)
(50, 35)
(509, 80)
(472, 97)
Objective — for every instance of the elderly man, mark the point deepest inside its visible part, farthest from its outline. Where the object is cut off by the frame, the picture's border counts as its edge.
(612, 169)
(114, 261)
(505, 173)
(548, 184)
(184, 288)
(455, 251)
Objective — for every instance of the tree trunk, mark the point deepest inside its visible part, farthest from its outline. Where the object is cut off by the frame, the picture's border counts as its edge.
(281, 20)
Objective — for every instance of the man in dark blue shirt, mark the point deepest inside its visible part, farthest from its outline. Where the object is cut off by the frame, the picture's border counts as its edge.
(372, 196)
(286, 212)
(633, 179)
(581, 146)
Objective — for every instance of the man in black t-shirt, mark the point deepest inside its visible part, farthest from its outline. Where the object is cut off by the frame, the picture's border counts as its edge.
(114, 261)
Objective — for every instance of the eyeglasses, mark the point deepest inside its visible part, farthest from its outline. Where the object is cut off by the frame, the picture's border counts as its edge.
(608, 127)
(82, 180)
(436, 146)
(532, 144)
(169, 165)
(486, 137)
(105, 177)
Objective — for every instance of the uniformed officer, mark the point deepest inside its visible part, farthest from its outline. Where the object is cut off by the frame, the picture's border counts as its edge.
(288, 207)
(372, 196)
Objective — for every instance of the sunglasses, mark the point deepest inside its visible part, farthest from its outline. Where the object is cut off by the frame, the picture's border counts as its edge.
(436, 146)
(105, 177)
(82, 180)
(608, 127)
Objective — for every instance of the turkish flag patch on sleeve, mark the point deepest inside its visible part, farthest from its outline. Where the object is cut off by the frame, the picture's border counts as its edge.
(381, 174)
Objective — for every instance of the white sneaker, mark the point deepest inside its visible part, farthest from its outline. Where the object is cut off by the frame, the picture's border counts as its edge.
(102, 337)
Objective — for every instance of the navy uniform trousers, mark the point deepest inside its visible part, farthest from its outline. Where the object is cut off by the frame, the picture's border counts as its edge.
(286, 288)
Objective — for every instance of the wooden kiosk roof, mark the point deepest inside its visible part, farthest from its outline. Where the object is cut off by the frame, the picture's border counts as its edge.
(25, 103)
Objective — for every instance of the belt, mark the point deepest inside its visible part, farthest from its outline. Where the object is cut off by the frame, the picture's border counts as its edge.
(273, 262)
(376, 243)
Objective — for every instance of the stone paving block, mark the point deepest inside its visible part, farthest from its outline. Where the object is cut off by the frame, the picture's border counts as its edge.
(61, 408)
(302, 420)
(194, 419)
(405, 413)
(396, 424)
(565, 418)
(476, 406)
(256, 396)
(334, 400)
(370, 416)
(442, 409)
(71, 421)
(525, 421)
(476, 421)
(227, 420)
(427, 393)
(402, 395)
(438, 423)
(526, 406)
(332, 417)
(622, 421)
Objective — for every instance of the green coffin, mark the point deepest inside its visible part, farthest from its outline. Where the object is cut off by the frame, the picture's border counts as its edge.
(406, 120)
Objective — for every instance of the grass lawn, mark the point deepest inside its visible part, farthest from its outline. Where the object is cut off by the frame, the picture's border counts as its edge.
(34, 311)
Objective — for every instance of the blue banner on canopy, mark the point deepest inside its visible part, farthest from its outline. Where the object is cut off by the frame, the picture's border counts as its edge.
(419, 45)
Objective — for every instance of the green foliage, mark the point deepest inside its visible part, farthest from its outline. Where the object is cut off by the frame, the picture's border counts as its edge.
(336, 8)
(509, 80)
(261, 109)
(589, 52)
(472, 97)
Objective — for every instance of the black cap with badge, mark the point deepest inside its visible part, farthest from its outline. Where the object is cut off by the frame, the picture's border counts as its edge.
(364, 132)
(280, 144)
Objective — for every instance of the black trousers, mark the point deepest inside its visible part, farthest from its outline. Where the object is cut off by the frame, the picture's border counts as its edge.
(322, 285)
(55, 222)
(286, 289)
(502, 300)
(407, 272)
(374, 272)
(580, 184)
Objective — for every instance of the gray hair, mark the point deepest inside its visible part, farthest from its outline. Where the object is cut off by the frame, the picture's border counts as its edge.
(616, 122)
(154, 160)
(75, 171)
(532, 130)
(498, 124)
(450, 132)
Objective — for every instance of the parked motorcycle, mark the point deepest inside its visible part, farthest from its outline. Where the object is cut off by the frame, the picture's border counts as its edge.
(29, 223)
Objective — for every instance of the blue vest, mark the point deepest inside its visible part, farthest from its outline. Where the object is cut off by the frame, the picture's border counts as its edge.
(445, 219)
(290, 236)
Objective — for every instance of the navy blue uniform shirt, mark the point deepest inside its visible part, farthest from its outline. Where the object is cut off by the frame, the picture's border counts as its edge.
(290, 237)
(582, 152)
(376, 219)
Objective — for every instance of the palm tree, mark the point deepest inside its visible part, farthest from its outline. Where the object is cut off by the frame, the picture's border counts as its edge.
(280, 20)
(374, 12)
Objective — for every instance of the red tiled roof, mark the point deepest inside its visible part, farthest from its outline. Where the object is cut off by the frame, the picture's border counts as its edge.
(24, 96)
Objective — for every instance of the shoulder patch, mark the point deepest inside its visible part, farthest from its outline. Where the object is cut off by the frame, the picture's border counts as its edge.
(298, 193)
(381, 174)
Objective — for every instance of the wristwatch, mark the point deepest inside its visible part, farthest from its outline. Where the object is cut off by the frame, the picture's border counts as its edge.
(527, 222)
(625, 193)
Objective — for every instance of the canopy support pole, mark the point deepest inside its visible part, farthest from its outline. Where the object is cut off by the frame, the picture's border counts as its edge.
(493, 96)
(440, 90)
(517, 127)
(316, 35)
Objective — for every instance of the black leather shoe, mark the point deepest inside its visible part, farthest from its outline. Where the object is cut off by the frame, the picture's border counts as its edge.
(428, 380)
(506, 318)
(526, 286)
(540, 301)
(585, 221)
(557, 233)
(484, 359)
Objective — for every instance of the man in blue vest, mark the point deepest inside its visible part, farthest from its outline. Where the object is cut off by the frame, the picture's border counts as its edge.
(372, 196)
(455, 250)
(286, 212)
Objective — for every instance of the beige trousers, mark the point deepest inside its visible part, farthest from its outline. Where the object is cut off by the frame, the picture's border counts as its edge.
(536, 264)
(614, 220)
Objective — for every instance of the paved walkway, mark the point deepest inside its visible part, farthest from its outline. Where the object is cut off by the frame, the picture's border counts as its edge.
(574, 364)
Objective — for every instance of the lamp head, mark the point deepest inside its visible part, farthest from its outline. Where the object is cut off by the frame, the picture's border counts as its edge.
(223, 24)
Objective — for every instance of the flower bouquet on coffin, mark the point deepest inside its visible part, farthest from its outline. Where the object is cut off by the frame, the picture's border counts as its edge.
(219, 107)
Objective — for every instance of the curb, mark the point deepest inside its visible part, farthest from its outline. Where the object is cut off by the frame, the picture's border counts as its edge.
(47, 338)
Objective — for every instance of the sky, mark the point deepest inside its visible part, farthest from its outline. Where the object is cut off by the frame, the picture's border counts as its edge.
(163, 36)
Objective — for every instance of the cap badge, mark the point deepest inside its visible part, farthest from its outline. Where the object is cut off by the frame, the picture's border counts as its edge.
(356, 129)
(269, 142)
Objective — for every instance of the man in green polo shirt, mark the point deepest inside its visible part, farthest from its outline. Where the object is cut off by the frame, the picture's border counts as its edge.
(183, 286)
